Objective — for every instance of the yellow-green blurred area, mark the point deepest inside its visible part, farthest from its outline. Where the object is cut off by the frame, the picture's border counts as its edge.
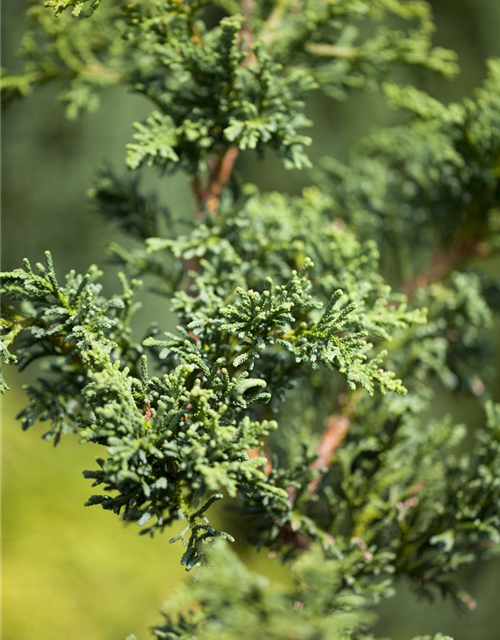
(68, 571)
(77, 573)
(72, 572)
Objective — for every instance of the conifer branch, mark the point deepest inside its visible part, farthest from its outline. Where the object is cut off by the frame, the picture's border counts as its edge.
(283, 308)
(338, 425)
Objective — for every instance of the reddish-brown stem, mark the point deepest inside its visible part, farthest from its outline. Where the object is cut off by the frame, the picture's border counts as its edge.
(443, 262)
(246, 32)
(208, 196)
(336, 430)
(219, 179)
(256, 453)
(198, 194)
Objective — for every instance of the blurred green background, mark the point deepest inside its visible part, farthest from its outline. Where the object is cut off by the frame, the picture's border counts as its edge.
(72, 573)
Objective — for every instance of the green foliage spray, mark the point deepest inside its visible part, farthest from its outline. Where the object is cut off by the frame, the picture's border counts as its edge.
(297, 382)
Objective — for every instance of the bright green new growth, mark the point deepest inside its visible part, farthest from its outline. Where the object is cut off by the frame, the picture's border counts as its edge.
(297, 381)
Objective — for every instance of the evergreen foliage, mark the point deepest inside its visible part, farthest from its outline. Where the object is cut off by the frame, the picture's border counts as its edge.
(298, 382)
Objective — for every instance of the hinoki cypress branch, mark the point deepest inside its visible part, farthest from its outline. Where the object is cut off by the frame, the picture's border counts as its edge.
(297, 383)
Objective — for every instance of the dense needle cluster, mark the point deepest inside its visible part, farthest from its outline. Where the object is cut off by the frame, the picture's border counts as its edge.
(297, 383)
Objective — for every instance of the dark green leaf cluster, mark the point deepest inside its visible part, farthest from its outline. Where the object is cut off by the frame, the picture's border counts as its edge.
(168, 441)
(172, 441)
(347, 44)
(405, 486)
(119, 201)
(89, 56)
(462, 317)
(73, 328)
(213, 87)
(207, 99)
(438, 173)
(76, 6)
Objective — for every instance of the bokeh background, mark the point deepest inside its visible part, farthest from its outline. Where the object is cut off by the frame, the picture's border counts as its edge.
(72, 573)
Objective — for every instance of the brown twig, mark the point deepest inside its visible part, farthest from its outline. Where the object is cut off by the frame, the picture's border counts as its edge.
(246, 32)
(336, 430)
(256, 453)
(208, 196)
(444, 262)
(271, 27)
(219, 178)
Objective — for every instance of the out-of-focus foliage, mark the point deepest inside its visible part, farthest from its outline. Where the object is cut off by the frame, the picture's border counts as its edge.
(211, 98)
(436, 174)
(244, 604)
(46, 564)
